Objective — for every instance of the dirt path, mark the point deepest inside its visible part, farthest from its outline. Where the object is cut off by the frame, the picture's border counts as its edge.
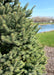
(50, 64)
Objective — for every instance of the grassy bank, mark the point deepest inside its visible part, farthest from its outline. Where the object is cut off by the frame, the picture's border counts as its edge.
(46, 38)
(44, 23)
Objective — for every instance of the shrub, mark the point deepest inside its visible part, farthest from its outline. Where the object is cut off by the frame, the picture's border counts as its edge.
(20, 52)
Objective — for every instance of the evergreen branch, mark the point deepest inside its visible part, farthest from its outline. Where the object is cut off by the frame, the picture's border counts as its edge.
(7, 1)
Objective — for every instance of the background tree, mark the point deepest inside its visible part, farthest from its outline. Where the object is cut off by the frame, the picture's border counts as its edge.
(20, 52)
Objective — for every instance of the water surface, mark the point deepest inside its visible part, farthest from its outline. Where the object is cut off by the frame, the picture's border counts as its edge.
(45, 28)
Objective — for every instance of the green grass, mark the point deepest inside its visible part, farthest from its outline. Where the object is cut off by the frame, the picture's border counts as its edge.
(46, 38)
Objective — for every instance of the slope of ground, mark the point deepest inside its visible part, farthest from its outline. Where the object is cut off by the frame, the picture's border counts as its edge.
(50, 62)
(46, 38)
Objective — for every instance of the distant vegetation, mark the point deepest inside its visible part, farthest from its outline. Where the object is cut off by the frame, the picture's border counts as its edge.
(46, 38)
(45, 23)
(43, 20)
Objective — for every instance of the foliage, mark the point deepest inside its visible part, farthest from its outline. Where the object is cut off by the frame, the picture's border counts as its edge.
(15, 63)
(20, 53)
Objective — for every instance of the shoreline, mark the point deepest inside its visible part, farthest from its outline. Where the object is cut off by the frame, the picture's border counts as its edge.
(45, 24)
(46, 31)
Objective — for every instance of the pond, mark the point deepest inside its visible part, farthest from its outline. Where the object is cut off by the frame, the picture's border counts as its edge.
(45, 28)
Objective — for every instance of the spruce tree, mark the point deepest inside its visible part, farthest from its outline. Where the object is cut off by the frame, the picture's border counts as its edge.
(20, 52)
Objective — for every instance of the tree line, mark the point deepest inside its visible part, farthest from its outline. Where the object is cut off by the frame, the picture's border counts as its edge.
(43, 19)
